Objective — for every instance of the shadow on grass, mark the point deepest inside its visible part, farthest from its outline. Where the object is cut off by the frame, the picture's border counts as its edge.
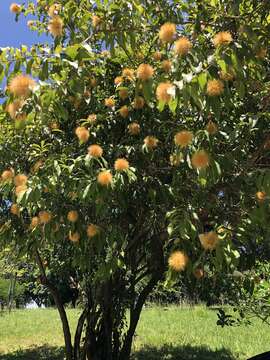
(38, 353)
(147, 353)
(182, 353)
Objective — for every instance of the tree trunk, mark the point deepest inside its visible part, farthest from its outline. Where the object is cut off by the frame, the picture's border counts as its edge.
(60, 307)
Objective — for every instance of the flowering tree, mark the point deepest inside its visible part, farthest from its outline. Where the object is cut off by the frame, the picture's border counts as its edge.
(140, 134)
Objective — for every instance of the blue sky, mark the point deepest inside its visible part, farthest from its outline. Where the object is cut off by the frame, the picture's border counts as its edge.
(14, 33)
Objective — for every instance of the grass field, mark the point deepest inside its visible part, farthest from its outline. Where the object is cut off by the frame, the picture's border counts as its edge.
(172, 333)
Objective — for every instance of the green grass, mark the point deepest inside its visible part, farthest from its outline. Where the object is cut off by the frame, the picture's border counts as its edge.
(173, 333)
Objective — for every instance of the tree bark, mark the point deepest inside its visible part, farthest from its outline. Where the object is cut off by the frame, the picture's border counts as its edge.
(60, 307)
(78, 334)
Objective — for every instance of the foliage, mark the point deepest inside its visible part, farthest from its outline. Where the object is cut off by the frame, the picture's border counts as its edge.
(179, 183)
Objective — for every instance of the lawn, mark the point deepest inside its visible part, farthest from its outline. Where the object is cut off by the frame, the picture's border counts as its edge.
(173, 333)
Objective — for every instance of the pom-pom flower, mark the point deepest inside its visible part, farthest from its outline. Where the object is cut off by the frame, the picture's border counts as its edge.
(96, 20)
(73, 216)
(198, 273)
(92, 230)
(15, 210)
(109, 102)
(118, 80)
(34, 222)
(151, 142)
(214, 87)
(15, 8)
(209, 240)
(128, 74)
(44, 217)
(261, 196)
(55, 26)
(166, 66)
(92, 118)
(121, 165)
(157, 56)
(167, 32)
(134, 128)
(178, 261)
(20, 179)
(123, 94)
(182, 46)
(145, 72)
(104, 178)
(138, 102)
(222, 38)
(21, 85)
(183, 138)
(21, 189)
(74, 236)
(124, 111)
(82, 134)
(14, 110)
(95, 151)
(200, 159)
(7, 175)
(162, 92)
(211, 128)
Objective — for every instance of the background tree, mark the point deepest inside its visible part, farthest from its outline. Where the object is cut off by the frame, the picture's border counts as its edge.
(141, 133)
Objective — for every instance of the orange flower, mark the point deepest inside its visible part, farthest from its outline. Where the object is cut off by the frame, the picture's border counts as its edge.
(109, 102)
(212, 128)
(14, 108)
(215, 87)
(198, 273)
(178, 261)
(20, 189)
(95, 151)
(7, 175)
(92, 230)
(15, 210)
(92, 118)
(209, 240)
(222, 38)
(118, 80)
(73, 216)
(74, 236)
(55, 26)
(54, 10)
(44, 217)
(20, 179)
(34, 222)
(167, 32)
(157, 56)
(200, 160)
(162, 92)
(138, 102)
(21, 85)
(15, 8)
(166, 65)
(134, 128)
(182, 46)
(82, 134)
(128, 74)
(121, 164)
(151, 142)
(145, 72)
(104, 178)
(261, 196)
(183, 138)
(123, 94)
(227, 75)
(96, 20)
(124, 111)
